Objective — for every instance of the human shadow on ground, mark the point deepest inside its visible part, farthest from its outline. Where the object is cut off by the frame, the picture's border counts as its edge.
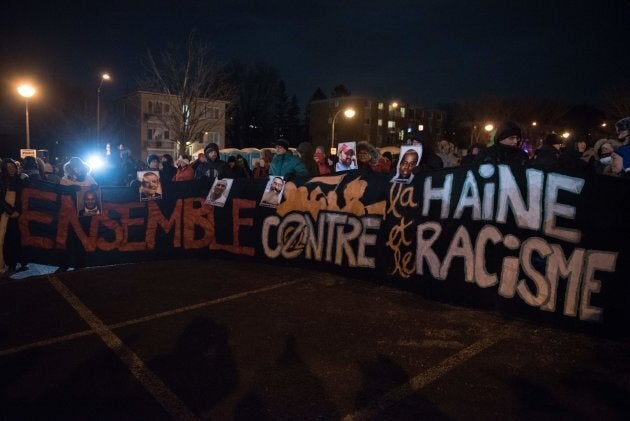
(286, 390)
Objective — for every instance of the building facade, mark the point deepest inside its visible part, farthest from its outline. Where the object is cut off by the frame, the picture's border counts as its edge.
(382, 123)
(149, 119)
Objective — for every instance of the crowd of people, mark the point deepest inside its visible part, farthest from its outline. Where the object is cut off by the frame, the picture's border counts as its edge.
(607, 157)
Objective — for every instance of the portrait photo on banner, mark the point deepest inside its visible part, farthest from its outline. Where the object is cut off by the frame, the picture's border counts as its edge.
(219, 192)
(346, 155)
(150, 186)
(89, 202)
(273, 192)
(409, 159)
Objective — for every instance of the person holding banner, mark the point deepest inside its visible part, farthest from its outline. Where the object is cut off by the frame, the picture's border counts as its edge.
(10, 200)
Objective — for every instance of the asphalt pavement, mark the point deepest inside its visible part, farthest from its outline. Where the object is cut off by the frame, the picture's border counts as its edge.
(223, 339)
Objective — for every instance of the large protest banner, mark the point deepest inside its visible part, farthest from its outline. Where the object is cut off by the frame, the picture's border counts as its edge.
(544, 245)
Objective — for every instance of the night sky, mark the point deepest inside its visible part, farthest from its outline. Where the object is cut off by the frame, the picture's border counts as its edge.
(422, 52)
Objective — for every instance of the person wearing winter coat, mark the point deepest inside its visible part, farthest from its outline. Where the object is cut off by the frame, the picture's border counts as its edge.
(167, 170)
(214, 167)
(369, 159)
(548, 155)
(285, 164)
(505, 149)
(322, 162)
(11, 184)
(184, 170)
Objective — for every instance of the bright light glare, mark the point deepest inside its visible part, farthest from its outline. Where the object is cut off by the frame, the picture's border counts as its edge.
(489, 127)
(26, 90)
(349, 113)
(566, 135)
(105, 76)
(95, 162)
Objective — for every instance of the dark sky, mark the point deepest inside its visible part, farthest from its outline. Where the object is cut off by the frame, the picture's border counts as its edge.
(424, 52)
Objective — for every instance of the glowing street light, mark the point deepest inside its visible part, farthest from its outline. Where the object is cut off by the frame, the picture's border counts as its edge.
(534, 124)
(348, 113)
(104, 77)
(566, 135)
(488, 127)
(26, 91)
(604, 124)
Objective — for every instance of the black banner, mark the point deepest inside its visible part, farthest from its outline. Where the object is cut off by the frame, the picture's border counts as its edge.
(546, 245)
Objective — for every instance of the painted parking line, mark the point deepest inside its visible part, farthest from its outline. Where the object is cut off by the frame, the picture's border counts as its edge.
(65, 338)
(151, 382)
(423, 379)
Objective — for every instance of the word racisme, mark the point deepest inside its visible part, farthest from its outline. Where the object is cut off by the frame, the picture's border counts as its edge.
(530, 268)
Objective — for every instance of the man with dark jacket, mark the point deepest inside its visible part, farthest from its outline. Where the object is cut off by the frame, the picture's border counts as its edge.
(214, 167)
(548, 155)
(505, 149)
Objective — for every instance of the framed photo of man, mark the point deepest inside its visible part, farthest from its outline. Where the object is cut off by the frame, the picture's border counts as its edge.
(409, 159)
(89, 202)
(273, 192)
(150, 186)
(219, 192)
(346, 156)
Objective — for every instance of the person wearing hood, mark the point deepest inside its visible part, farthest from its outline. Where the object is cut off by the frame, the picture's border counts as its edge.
(505, 148)
(602, 160)
(369, 159)
(285, 164)
(167, 170)
(621, 155)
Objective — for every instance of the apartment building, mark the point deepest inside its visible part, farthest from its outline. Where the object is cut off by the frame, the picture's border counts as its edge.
(380, 122)
(148, 124)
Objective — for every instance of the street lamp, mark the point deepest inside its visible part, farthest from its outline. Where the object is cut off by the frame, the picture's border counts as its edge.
(349, 113)
(488, 127)
(104, 77)
(26, 91)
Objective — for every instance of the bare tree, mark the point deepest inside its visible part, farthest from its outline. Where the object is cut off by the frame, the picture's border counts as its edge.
(190, 82)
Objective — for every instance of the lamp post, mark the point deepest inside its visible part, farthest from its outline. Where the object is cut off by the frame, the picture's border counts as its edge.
(104, 77)
(349, 113)
(26, 91)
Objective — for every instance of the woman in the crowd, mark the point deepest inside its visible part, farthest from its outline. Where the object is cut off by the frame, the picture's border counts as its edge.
(184, 170)
(370, 160)
(324, 165)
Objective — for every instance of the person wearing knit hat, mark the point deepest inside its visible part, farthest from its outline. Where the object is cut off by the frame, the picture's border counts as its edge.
(505, 149)
(214, 167)
(547, 156)
(285, 164)
(282, 143)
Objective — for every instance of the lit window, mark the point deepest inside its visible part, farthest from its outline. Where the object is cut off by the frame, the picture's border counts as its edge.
(402, 112)
(380, 105)
(391, 124)
(380, 121)
(420, 127)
